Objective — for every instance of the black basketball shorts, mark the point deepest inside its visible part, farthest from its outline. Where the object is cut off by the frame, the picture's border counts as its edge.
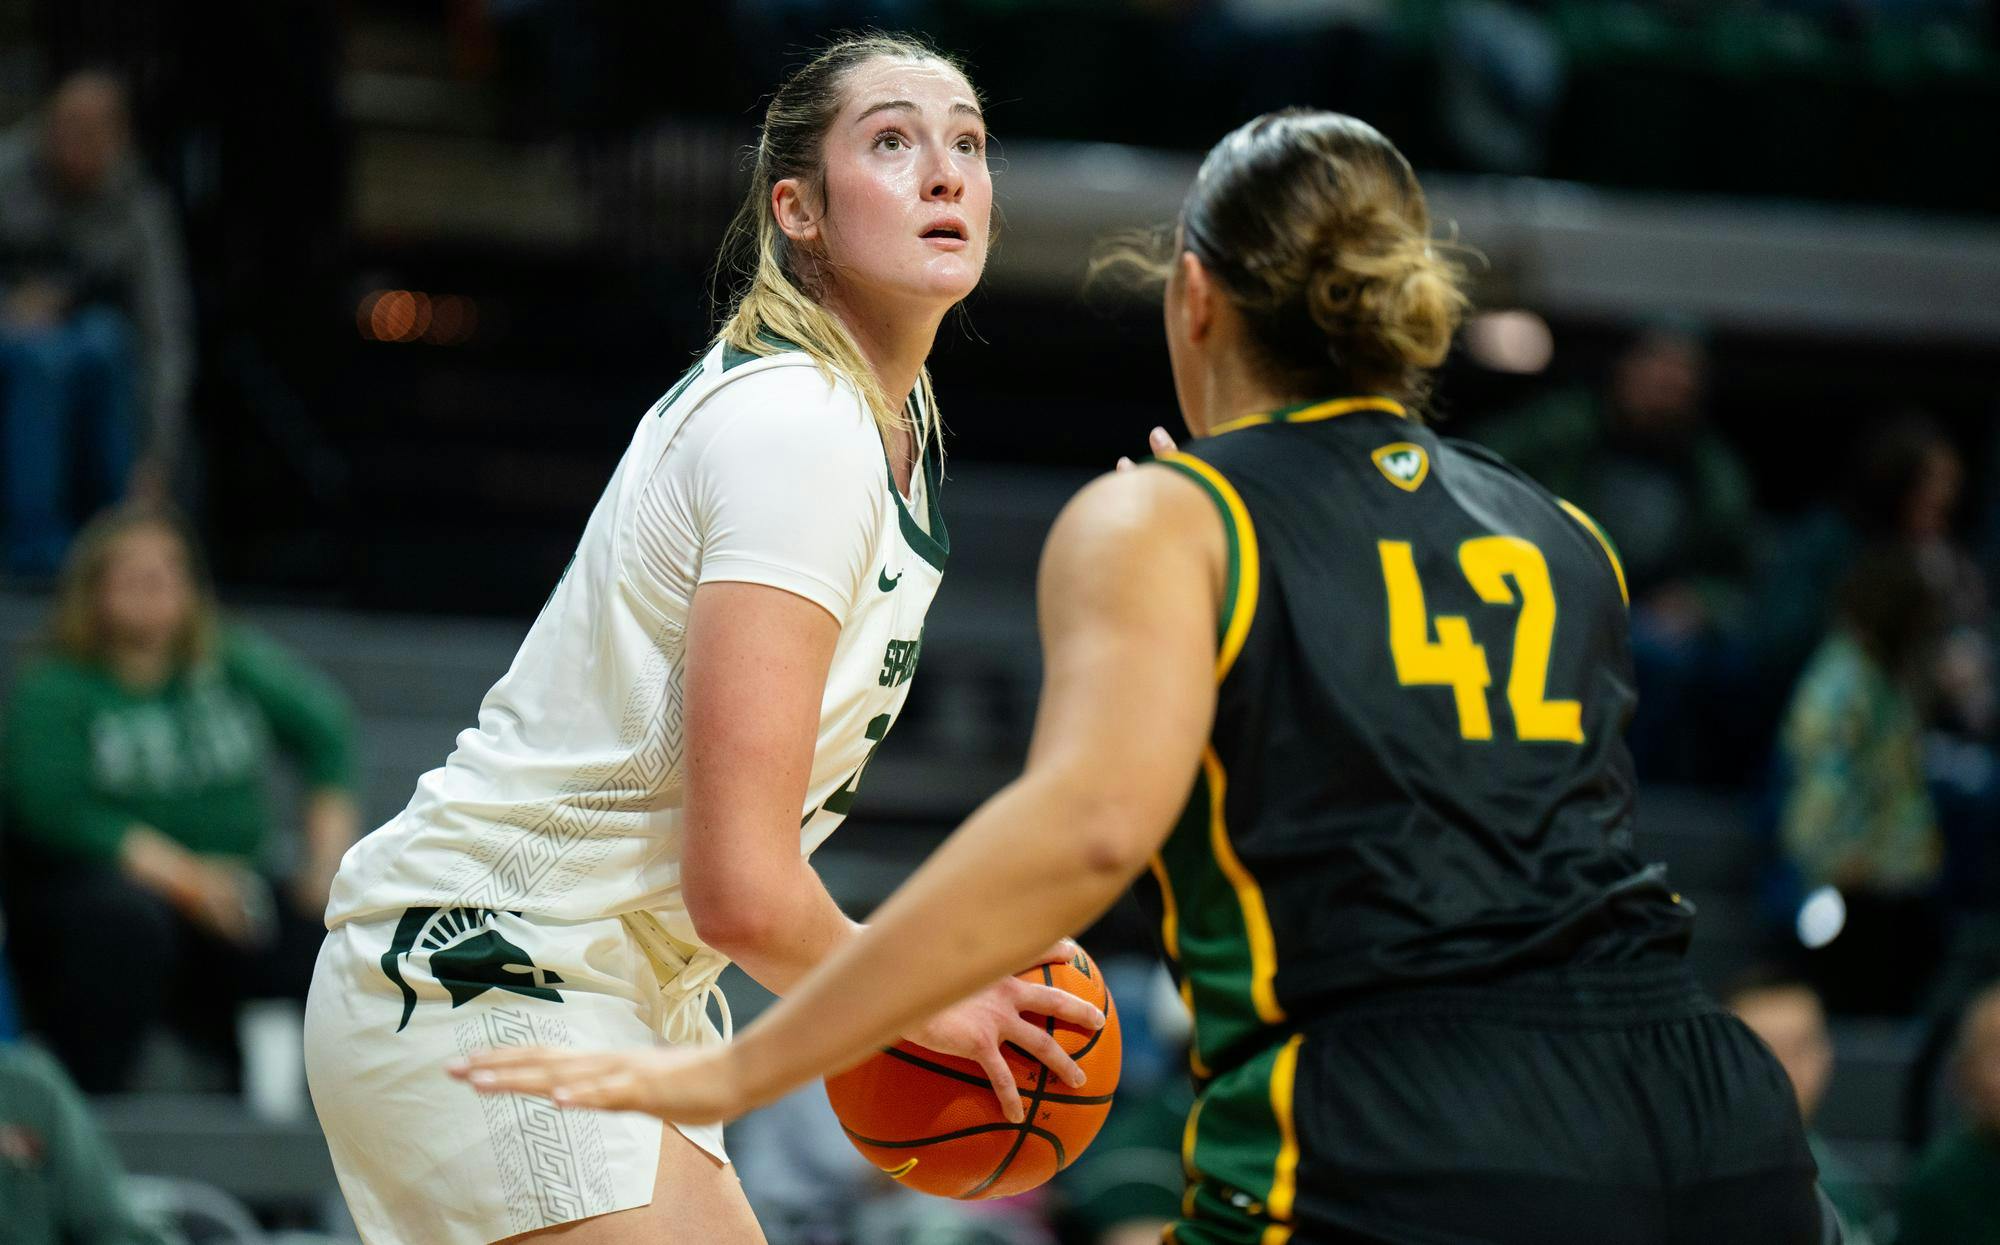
(1611, 1106)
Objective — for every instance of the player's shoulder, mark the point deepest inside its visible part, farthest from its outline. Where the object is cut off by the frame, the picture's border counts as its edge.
(1484, 461)
(1474, 468)
(1479, 466)
(1126, 513)
(787, 390)
(784, 403)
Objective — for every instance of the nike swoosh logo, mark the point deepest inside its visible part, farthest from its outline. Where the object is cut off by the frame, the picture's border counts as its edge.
(887, 584)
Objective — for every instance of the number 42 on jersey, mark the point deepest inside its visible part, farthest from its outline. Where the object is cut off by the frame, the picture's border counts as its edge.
(1490, 564)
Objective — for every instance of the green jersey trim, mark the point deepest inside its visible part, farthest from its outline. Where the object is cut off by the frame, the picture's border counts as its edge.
(733, 358)
(933, 546)
(1610, 549)
(1239, 590)
(1240, 1150)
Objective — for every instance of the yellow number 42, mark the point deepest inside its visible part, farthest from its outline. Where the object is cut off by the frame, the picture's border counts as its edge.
(1456, 661)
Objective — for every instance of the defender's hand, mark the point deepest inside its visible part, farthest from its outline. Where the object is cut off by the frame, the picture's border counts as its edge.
(975, 1028)
(685, 1086)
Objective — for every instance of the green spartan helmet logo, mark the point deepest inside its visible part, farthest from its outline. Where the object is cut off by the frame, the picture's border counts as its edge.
(467, 956)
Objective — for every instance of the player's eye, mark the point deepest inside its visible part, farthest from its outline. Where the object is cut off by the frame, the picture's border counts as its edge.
(890, 140)
(971, 144)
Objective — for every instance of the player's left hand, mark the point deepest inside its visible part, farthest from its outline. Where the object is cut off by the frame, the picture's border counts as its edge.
(1158, 441)
(685, 1086)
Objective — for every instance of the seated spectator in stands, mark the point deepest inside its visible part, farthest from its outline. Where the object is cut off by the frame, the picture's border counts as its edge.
(136, 757)
(1953, 1198)
(1904, 488)
(60, 1184)
(1856, 814)
(1907, 482)
(95, 321)
(1786, 1014)
(1641, 458)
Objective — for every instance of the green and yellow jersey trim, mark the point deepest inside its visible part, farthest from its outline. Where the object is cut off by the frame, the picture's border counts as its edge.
(1188, 1134)
(1236, 613)
(1312, 412)
(1240, 1152)
(1170, 938)
(1239, 593)
(1610, 550)
(1256, 917)
(1285, 1173)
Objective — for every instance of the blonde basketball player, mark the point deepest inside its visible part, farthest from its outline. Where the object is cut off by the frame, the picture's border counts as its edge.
(688, 718)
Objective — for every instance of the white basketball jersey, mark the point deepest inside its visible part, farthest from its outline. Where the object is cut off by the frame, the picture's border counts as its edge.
(566, 800)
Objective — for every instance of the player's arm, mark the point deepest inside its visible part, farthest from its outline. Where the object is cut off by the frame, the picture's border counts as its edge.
(1129, 589)
(757, 660)
(782, 500)
(756, 670)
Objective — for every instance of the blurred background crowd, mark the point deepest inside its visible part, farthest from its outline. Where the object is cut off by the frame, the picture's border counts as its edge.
(322, 323)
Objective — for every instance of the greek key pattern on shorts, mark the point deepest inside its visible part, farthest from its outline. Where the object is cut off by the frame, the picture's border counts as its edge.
(532, 857)
(551, 1162)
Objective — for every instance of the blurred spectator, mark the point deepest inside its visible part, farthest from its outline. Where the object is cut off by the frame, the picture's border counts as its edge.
(1786, 1014)
(1641, 458)
(1904, 495)
(95, 324)
(1335, 54)
(60, 1184)
(1856, 814)
(1954, 1195)
(136, 757)
(1905, 486)
(1500, 81)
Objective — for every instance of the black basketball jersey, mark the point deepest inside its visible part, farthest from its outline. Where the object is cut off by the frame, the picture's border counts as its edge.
(1417, 770)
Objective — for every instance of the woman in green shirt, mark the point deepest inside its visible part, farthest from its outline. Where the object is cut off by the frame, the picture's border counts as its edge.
(136, 755)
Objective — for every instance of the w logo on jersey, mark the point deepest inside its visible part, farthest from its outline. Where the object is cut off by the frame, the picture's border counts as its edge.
(466, 955)
(1403, 464)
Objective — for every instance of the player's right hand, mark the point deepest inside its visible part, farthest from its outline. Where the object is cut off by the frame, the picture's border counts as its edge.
(975, 1028)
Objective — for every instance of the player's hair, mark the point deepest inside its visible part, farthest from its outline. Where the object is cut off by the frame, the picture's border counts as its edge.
(771, 287)
(1314, 225)
(76, 624)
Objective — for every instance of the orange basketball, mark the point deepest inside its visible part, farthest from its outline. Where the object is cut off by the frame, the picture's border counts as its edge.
(932, 1120)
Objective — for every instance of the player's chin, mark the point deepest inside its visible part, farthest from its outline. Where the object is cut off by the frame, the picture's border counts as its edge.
(953, 275)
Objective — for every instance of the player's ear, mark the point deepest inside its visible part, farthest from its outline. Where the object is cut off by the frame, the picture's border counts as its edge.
(1197, 297)
(792, 207)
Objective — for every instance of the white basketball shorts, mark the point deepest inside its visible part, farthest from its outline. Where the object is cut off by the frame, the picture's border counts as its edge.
(421, 1157)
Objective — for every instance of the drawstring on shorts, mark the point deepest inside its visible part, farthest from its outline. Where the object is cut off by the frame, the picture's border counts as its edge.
(688, 978)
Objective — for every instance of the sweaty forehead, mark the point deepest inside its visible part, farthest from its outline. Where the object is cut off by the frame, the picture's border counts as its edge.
(932, 85)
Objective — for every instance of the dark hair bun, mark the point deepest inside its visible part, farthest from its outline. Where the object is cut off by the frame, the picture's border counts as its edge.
(1381, 293)
(1317, 227)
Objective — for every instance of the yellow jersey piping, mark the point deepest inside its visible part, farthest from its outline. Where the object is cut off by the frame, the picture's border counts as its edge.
(1313, 413)
(1604, 542)
(1245, 571)
(1256, 918)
